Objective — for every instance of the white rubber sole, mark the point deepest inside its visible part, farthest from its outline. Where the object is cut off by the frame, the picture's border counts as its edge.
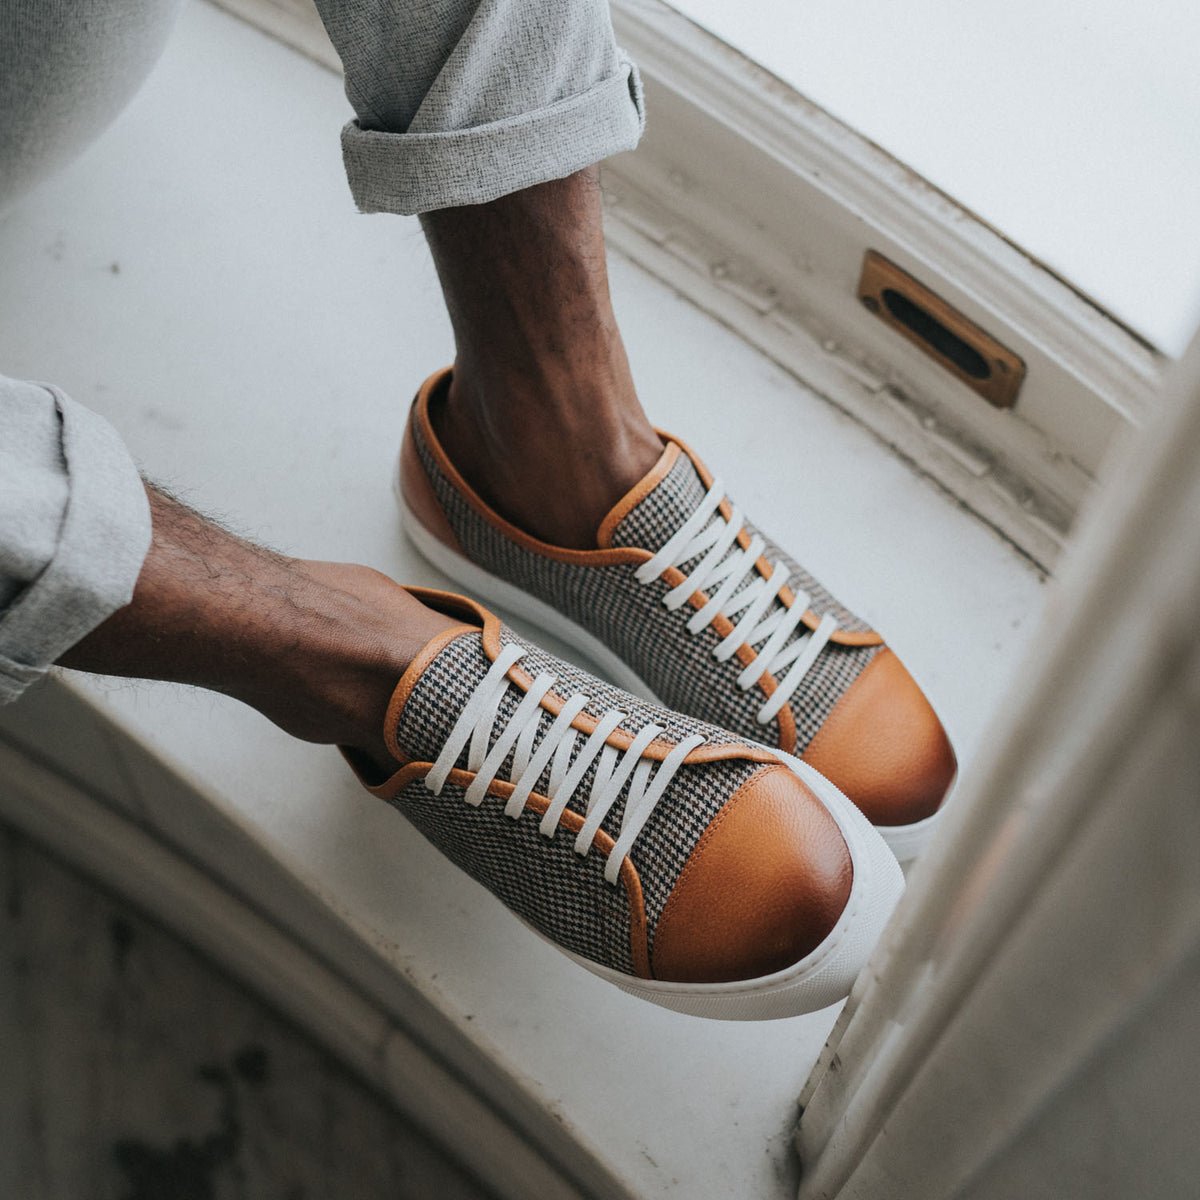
(905, 841)
(819, 979)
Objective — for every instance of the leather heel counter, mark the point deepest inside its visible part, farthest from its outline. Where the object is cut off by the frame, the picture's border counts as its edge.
(418, 493)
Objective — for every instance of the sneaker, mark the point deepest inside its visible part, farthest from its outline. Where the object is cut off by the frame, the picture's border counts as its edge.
(685, 603)
(669, 857)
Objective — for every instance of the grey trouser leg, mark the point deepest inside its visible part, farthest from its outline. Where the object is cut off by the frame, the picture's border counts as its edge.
(457, 102)
(462, 101)
(67, 68)
(74, 527)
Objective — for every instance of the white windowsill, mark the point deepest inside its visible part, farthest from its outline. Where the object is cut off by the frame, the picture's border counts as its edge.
(201, 278)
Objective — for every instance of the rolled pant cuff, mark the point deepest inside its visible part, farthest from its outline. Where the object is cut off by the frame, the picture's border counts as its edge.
(411, 173)
(102, 542)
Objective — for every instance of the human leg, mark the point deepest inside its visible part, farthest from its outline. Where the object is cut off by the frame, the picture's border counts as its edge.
(541, 406)
(487, 117)
(315, 646)
(101, 573)
(532, 464)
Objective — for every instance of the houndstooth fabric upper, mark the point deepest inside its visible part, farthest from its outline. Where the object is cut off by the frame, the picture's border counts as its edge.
(629, 617)
(660, 514)
(563, 895)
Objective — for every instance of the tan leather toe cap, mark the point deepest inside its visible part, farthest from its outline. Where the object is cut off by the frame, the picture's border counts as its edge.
(764, 886)
(884, 746)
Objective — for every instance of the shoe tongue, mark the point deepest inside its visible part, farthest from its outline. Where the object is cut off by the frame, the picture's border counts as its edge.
(655, 518)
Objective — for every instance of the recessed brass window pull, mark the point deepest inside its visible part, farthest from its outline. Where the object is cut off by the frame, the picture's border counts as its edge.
(949, 338)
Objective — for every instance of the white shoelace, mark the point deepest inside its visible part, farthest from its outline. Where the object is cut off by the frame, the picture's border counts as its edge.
(529, 760)
(733, 594)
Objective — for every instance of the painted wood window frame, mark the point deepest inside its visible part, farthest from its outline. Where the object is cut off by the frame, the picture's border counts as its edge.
(761, 207)
(1027, 1026)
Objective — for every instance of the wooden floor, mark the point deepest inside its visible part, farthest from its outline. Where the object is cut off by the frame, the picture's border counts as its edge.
(134, 1070)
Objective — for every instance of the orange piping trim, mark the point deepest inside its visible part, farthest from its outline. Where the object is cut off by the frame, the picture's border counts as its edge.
(592, 558)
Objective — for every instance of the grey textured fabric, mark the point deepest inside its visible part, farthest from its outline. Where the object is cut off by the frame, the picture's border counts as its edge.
(629, 617)
(67, 68)
(75, 527)
(657, 517)
(563, 895)
(462, 101)
(456, 101)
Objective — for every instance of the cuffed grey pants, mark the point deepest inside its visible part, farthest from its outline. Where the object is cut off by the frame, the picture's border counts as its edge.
(456, 102)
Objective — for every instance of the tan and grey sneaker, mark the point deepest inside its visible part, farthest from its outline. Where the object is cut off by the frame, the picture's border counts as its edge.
(665, 855)
(685, 603)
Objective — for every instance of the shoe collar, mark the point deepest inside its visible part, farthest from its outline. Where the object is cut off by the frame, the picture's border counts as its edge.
(605, 554)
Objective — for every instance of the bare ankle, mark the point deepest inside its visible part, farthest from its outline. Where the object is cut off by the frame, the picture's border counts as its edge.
(551, 455)
(542, 418)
